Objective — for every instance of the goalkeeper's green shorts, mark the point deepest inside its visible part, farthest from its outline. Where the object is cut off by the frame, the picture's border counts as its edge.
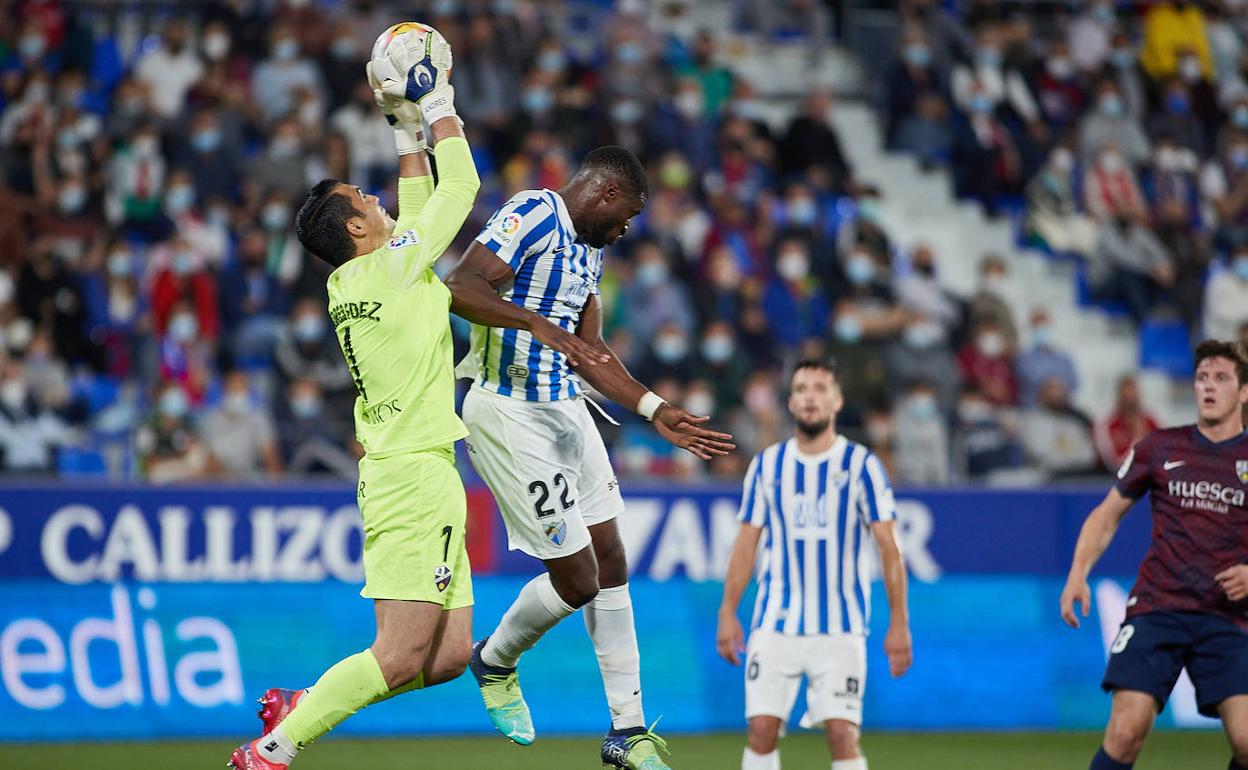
(414, 511)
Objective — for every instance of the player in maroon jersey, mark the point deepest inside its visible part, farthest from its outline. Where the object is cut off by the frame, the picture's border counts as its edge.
(1188, 606)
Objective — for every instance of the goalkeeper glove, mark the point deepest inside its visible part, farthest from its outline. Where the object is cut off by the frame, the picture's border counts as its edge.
(402, 115)
(427, 62)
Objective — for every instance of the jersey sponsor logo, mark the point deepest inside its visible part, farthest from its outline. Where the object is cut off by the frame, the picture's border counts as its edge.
(441, 577)
(1126, 464)
(516, 371)
(379, 413)
(810, 511)
(1170, 465)
(556, 531)
(1241, 470)
(1207, 495)
(506, 229)
(349, 311)
(577, 295)
(403, 239)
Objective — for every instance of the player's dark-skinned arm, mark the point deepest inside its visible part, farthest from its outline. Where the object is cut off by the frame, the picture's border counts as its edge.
(1094, 537)
(730, 636)
(474, 284)
(897, 643)
(612, 380)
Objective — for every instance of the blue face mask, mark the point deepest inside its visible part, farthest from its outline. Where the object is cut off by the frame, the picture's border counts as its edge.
(981, 104)
(803, 212)
(1041, 336)
(860, 270)
(1111, 105)
(179, 199)
(72, 199)
(869, 210)
(717, 349)
(1239, 116)
(551, 61)
(917, 55)
(174, 403)
(536, 100)
(629, 53)
(206, 140)
(309, 329)
(651, 274)
(1240, 266)
(1122, 58)
(286, 50)
(989, 57)
(848, 329)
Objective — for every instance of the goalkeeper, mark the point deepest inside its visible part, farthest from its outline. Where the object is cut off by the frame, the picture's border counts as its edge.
(390, 312)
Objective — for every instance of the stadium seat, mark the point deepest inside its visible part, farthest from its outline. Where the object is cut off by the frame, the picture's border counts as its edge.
(1164, 345)
(1083, 295)
(80, 462)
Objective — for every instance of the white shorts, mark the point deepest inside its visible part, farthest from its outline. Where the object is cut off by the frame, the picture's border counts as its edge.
(835, 667)
(547, 467)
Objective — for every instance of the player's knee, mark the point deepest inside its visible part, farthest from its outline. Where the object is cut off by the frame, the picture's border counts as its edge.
(1124, 740)
(577, 590)
(762, 735)
(842, 738)
(448, 667)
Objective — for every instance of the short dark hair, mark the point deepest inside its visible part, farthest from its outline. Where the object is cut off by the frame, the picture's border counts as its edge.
(1231, 351)
(321, 224)
(822, 364)
(621, 164)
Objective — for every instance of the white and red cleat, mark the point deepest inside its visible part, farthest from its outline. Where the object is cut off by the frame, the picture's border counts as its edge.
(275, 704)
(247, 757)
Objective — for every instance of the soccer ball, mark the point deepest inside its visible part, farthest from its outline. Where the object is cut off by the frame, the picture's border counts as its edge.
(401, 47)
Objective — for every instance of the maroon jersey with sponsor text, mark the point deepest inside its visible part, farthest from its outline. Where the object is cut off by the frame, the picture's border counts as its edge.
(1198, 492)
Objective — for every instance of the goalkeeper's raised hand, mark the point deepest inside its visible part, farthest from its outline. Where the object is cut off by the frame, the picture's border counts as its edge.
(412, 62)
(402, 115)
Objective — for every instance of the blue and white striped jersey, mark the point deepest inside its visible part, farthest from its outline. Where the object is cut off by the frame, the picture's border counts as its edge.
(816, 513)
(555, 275)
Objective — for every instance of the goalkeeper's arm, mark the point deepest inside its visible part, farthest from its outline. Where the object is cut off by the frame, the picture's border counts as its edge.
(439, 220)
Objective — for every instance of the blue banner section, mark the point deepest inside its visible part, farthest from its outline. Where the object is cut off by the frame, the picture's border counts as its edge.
(308, 534)
(160, 660)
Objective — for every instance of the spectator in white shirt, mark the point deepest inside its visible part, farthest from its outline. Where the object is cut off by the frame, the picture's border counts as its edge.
(170, 70)
(277, 78)
(1226, 297)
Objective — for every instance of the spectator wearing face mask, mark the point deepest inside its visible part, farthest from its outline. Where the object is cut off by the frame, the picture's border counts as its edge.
(984, 441)
(669, 354)
(1110, 188)
(720, 362)
(1125, 72)
(1056, 436)
(911, 76)
(370, 138)
(307, 350)
(986, 158)
(30, 431)
(865, 230)
(254, 302)
(1177, 122)
(1123, 427)
(1224, 186)
(683, 124)
(928, 132)
(811, 142)
(239, 432)
(990, 303)
(719, 296)
(277, 78)
(1053, 213)
(1109, 124)
(987, 364)
(313, 440)
(283, 166)
(136, 180)
(115, 309)
(184, 357)
(794, 302)
(1226, 297)
(1059, 89)
(210, 157)
(1171, 31)
(856, 343)
(168, 446)
(169, 70)
(180, 278)
(920, 438)
(1130, 265)
(654, 298)
(762, 418)
(1043, 360)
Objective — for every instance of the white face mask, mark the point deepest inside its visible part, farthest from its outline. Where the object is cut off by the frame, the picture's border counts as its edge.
(236, 402)
(700, 403)
(793, 266)
(216, 45)
(183, 327)
(13, 393)
(991, 344)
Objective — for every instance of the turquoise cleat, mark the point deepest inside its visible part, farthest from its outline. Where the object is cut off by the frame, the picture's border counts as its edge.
(504, 703)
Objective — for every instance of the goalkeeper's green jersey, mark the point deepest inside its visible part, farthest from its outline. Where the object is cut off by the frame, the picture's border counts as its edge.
(391, 314)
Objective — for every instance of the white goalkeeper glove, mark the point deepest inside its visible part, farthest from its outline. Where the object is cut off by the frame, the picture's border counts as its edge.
(425, 62)
(402, 115)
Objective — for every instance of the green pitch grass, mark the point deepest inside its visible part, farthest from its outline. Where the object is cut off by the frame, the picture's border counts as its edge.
(887, 751)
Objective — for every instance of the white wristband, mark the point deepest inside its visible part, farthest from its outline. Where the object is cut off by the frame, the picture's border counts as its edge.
(438, 104)
(649, 404)
(409, 139)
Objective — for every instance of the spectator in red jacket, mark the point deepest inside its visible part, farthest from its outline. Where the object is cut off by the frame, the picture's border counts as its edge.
(1127, 424)
(987, 364)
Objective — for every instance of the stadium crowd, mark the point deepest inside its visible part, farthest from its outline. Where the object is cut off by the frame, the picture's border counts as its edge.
(158, 319)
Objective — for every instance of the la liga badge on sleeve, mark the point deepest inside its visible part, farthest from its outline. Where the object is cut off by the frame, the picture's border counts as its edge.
(1241, 470)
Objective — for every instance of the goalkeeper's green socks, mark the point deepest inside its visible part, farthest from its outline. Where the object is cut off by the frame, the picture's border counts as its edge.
(348, 686)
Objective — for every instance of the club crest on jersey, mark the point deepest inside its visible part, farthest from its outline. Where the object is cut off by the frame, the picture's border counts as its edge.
(405, 238)
(1241, 470)
(557, 532)
(506, 229)
(441, 577)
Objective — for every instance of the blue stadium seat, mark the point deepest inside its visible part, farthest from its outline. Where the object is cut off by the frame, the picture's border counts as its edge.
(1083, 295)
(100, 392)
(1164, 345)
(77, 461)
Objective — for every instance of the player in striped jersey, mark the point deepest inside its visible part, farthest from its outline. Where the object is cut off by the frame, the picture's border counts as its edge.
(816, 497)
(530, 284)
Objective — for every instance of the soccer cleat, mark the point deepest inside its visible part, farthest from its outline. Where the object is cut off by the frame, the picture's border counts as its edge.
(504, 703)
(636, 749)
(275, 704)
(246, 757)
